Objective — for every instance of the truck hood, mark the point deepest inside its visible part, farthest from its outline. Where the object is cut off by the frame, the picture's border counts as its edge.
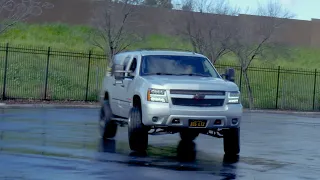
(190, 82)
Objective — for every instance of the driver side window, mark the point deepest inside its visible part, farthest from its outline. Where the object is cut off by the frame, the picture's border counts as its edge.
(133, 65)
(126, 62)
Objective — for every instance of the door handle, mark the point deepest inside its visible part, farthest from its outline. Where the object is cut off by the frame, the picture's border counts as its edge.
(122, 85)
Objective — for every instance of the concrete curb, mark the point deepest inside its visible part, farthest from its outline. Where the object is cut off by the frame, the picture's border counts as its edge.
(95, 106)
(20, 106)
(282, 112)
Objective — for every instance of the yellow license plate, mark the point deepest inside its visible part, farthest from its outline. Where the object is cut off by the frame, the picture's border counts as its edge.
(197, 123)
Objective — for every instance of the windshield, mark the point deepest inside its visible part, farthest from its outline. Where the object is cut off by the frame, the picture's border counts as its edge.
(177, 65)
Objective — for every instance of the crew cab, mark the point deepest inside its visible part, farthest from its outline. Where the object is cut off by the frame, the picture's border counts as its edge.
(166, 91)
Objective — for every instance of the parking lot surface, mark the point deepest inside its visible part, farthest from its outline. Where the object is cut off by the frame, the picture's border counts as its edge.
(48, 143)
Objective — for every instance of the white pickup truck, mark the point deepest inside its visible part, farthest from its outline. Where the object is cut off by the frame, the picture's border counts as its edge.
(157, 91)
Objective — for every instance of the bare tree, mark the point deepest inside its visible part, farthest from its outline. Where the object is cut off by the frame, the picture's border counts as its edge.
(165, 4)
(203, 6)
(208, 30)
(115, 23)
(159, 3)
(251, 40)
(14, 11)
(187, 5)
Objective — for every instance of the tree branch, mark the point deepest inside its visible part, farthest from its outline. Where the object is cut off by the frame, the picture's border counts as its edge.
(112, 25)
(12, 12)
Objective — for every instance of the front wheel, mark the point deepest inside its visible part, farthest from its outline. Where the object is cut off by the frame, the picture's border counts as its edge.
(137, 132)
(108, 128)
(231, 141)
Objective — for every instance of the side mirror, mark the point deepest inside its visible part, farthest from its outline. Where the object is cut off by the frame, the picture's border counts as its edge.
(118, 72)
(229, 74)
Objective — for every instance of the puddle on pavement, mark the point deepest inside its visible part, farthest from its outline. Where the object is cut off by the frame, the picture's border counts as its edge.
(180, 156)
(78, 140)
(185, 156)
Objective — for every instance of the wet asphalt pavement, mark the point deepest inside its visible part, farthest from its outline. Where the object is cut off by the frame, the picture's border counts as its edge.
(64, 144)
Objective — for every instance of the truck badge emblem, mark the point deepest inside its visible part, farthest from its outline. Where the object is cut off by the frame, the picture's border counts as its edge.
(198, 96)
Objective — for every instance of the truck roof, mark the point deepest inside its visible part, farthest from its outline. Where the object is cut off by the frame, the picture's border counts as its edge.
(169, 52)
(161, 52)
(120, 57)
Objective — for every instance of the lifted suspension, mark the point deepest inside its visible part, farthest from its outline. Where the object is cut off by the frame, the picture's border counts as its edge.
(215, 133)
(218, 133)
(160, 131)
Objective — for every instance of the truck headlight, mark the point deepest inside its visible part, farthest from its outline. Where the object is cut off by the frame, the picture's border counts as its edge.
(157, 95)
(233, 97)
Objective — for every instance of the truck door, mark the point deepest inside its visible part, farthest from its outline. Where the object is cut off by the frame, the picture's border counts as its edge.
(128, 87)
(119, 91)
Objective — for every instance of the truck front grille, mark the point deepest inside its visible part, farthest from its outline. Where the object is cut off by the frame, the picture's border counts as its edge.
(197, 102)
(193, 92)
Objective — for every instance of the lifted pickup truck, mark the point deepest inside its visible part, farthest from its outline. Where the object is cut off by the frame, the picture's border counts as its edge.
(159, 92)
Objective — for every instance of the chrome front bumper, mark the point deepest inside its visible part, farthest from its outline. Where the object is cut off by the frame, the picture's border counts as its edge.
(164, 114)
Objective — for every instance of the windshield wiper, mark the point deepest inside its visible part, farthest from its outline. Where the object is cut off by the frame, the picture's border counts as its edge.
(193, 74)
(185, 74)
(159, 73)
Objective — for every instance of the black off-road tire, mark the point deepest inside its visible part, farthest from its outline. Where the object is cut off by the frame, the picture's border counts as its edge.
(137, 132)
(231, 141)
(108, 128)
(188, 134)
(186, 151)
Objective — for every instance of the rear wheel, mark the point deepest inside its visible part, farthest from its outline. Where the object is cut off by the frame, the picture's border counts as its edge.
(108, 128)
(188, 135)
(137, 132)
(231, 141)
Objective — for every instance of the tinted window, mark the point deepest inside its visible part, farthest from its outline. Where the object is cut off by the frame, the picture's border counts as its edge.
(177, 65)
(133, 65)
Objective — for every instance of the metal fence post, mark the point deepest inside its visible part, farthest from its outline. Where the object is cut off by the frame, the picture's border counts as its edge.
(240, 81)
(5, 73)
(314, 89)
(47, 72)
(88, 75)
(278, 82)
(97, 82)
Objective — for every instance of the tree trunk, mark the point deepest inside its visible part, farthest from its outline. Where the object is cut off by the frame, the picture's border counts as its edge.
(109, 55)
(109, 62)
(249, 90)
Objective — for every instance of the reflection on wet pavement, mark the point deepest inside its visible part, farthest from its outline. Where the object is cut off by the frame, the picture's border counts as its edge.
(64, 144)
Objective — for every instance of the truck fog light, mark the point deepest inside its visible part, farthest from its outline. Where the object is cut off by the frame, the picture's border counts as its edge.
(175, 121)
(235, 121)
(217, 122)
(155, 119)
